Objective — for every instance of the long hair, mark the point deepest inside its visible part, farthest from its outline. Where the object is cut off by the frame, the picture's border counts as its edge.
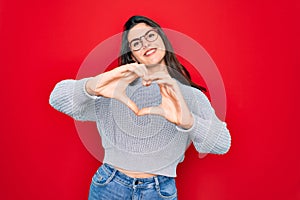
(174, 66)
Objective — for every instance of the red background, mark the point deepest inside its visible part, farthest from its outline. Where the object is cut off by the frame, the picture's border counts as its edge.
(255, 45)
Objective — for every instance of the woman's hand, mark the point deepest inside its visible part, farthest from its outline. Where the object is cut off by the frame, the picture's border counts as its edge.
(113, 84)
(173, 106)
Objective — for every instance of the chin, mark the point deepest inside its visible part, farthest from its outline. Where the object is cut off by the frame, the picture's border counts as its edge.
(156, 61)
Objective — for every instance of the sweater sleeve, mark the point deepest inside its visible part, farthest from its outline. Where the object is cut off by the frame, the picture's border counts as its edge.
(208, 133)
(71, 98)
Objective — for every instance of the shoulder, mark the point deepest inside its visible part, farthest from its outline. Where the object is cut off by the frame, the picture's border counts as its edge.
(190, 92)
(195, 98)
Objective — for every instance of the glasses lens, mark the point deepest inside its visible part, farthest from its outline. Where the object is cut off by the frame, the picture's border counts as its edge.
(151, 36)
(136, 44)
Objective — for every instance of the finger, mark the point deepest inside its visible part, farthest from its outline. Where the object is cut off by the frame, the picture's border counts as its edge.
(147, 83)
(139, 69)
(164, 77)
(142, 71)
(152, 111)
(142, 68)
(167, 91)
(120, 70)
(127, 101)
(162, 67)
(160, 76)
(166, 81)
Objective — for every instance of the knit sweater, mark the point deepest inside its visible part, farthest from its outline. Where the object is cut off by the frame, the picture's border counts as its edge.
(149, 143)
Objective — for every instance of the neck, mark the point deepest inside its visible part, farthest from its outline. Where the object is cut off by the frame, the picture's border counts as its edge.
(153, 68)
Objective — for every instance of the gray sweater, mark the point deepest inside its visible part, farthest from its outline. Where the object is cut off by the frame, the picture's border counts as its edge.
(148, 143)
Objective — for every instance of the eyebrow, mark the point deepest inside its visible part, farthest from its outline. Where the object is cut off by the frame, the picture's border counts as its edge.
(140, 35)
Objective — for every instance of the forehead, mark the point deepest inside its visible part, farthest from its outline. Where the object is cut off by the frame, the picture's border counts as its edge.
(138, 30)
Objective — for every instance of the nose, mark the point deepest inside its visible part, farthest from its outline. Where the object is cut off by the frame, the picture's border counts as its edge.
(145, 42)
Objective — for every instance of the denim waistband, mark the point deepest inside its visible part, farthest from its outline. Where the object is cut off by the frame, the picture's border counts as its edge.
(134, 182)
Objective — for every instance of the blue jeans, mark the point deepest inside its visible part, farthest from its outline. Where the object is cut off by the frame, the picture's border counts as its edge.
(111, 184)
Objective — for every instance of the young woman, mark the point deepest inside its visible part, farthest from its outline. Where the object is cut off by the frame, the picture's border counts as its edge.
(148, 111)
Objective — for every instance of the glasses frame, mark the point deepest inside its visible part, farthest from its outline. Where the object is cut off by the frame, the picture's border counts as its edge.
(140, 39)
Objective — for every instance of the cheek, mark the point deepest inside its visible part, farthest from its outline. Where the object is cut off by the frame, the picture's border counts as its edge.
(161, 44)
(137, 56)
(161, 47)
(162, 54)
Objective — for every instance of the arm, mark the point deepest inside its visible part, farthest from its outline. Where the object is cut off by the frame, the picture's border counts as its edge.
(189, 109)
(77, 98)
(70, 97)
(208, 133)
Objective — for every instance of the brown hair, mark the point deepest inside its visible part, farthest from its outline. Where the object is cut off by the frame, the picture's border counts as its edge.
(174, 66)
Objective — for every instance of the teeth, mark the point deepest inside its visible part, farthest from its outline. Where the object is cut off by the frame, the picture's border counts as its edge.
(150, 51)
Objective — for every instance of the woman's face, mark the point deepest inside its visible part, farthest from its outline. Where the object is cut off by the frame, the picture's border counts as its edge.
(146, 45)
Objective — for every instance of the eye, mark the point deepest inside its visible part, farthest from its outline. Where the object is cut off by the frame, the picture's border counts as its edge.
(135, 43)
(151, 35)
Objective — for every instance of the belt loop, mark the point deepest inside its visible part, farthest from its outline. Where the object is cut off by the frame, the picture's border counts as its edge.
(156, 182)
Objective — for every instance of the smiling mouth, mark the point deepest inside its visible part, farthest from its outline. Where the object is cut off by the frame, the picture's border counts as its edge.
(150, 52)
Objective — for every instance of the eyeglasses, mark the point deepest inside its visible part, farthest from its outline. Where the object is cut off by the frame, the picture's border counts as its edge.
(137, 43)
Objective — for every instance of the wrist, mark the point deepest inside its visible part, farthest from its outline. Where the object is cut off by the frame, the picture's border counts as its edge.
(188, 124)
(88, 87)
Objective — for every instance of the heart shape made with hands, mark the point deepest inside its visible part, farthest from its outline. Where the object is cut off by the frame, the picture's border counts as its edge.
(166, 93)
(172, 107)
(113, 84)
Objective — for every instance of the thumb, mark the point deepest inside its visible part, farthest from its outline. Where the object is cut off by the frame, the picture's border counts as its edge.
(127, 101)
